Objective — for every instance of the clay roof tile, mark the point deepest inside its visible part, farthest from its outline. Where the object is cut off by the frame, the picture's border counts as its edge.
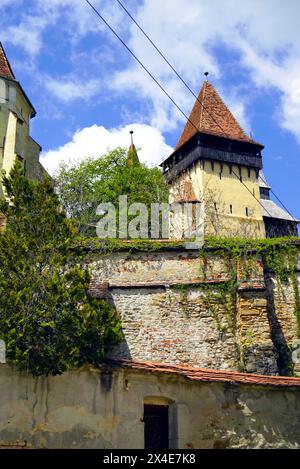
(206, 375)
(5, 68)
(212, 117)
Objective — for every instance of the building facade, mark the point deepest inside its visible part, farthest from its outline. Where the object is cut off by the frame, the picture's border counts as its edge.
(126, 405)
(16, 111)
(216, 165)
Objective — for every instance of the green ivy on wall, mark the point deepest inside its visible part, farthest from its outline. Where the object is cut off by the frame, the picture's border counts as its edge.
(279, 256)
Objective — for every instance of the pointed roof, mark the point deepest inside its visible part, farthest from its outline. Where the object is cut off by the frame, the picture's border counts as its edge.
(132, 156)
(5, 68)
(210, 115)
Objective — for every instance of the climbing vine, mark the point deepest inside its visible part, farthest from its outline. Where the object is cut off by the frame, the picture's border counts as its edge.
(279, 256)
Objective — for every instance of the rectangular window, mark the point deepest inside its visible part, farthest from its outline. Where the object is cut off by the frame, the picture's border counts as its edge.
(231, 209)
(2, 91)
(156, 430)
(247, 212)
(12, 94)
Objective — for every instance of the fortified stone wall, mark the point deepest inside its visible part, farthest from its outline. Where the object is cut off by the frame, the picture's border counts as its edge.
(178, 308)
(92, 408)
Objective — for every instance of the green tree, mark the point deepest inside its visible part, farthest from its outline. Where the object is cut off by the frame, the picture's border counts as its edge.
(47, 319)
(84, 186)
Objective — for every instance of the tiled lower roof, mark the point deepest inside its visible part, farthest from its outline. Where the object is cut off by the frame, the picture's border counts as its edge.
(271, 210)
(206, 375)
(262, 181)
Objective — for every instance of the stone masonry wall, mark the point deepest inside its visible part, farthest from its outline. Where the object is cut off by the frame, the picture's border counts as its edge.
(172, 310)
(283, 320)
(163, 324)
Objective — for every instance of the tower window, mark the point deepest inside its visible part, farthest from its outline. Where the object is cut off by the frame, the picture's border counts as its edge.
(249, 172)
(247, 212)
(216, 207)
(231, 208)
(240, 173)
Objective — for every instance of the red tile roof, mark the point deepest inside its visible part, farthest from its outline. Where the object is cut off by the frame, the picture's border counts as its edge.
(206, 375)
(212, 117)
(186, 192)
(5, 68)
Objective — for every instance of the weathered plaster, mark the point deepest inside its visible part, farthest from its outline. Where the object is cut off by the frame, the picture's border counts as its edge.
(91, 408)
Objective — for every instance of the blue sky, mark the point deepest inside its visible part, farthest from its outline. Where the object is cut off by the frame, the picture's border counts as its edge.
(88, 91)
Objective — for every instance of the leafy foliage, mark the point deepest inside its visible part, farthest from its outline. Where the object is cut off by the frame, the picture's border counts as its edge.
(47, 319)
(84, 186)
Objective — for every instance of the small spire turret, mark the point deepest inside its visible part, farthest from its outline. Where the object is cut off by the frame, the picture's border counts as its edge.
(132, 156)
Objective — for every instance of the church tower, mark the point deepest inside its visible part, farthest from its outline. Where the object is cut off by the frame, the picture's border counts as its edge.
(16, 111)
(217, 165)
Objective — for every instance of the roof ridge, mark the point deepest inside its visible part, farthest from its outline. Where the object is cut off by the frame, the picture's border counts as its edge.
(202, 103)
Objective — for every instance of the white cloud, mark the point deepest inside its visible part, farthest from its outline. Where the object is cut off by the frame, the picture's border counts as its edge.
(96, 140)
(4, 3)
(265, 34)
(75, 17)
(26, 35)
(69, 90)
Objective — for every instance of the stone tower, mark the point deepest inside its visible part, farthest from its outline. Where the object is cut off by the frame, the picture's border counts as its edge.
(16, 111)
(216, 165)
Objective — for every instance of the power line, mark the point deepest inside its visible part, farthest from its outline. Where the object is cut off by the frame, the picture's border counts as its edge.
(170, 65)
(265, 182)
(281, 203)
(161, 87)
(138, 60)
(186, 85)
